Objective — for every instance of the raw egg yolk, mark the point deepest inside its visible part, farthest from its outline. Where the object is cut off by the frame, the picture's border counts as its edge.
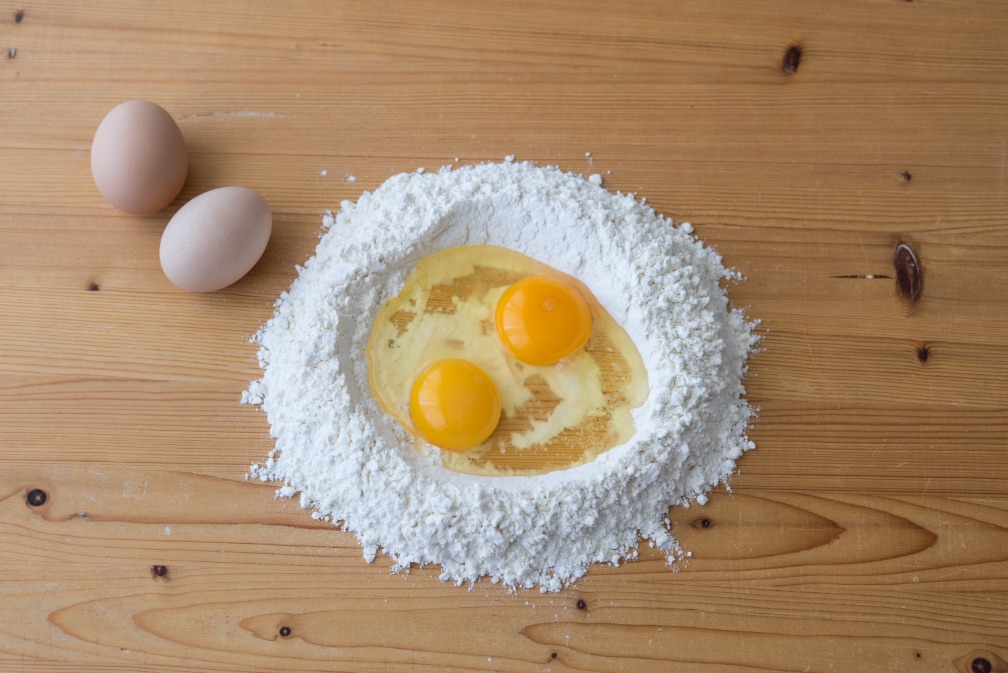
(454, 404)
(542, 320)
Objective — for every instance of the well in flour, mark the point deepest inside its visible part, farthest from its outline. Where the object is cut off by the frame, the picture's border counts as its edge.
(553, 415)
(351, 462)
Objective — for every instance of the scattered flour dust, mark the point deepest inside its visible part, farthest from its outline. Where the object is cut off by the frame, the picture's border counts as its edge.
(353, 464)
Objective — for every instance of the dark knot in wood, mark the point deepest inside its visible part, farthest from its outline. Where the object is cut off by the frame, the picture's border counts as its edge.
(909, 274)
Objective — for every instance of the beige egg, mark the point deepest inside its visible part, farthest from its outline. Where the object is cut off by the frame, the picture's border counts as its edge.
(215, 239)
(138, 158)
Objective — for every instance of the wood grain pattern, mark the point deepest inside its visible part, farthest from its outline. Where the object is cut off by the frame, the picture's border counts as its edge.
(869, 531)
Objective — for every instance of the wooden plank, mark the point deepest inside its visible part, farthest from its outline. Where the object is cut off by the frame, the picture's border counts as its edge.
(827, 570)
(869, 530)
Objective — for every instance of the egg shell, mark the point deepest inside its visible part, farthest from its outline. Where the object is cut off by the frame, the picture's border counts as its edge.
(139, 158)
(215, 239)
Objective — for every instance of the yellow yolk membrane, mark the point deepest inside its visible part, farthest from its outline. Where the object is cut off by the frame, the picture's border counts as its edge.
(542, 320)
(454, 404)
(566, 375)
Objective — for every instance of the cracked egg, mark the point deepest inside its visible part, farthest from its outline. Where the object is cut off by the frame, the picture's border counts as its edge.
(504, 365)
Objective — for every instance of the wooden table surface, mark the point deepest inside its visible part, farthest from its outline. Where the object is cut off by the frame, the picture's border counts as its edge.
(806, 140)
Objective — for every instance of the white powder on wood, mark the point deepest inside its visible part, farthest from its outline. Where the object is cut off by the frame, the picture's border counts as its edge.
(355, 465)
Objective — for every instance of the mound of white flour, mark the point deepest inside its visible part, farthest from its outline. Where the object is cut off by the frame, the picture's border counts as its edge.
(355, 465)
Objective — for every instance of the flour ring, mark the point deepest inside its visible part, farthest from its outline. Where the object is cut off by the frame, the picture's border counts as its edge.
(353, 463)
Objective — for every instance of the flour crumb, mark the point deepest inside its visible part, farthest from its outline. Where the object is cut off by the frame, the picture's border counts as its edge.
(356, 466)
(686, 227)
(351, 178)
(327, 221)
(253, 395)
(370, 552)
(421, 170)
(509, 159)
(595, 179)
(324, 172)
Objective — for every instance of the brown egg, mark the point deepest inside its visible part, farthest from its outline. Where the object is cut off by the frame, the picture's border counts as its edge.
(215, 239)
(138, 158)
